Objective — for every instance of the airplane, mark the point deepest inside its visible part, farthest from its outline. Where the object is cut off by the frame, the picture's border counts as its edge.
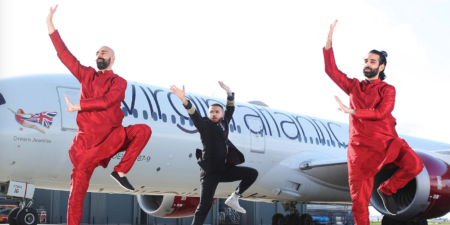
(301, 159)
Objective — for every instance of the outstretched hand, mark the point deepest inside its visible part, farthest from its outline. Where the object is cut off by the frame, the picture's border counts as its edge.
(12, 111)
(344, 108)
(180, 93)
(330, 35)
(72, 107)
(225, 87)
(51, 28)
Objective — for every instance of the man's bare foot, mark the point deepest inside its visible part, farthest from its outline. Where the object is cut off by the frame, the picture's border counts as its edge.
(121, 174)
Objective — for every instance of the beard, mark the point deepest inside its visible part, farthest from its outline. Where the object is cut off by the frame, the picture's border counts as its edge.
(103, 64)
(371, 73)
(218, 121)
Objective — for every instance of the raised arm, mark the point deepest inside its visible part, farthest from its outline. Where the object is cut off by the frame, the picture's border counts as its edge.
(199, 123)
(50, 26)
(331, 69)
(64, 54)
(115, 95)
(12, 111)
(230, 101)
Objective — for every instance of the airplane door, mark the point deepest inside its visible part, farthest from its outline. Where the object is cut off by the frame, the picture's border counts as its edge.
(68, 119)
(257, 142)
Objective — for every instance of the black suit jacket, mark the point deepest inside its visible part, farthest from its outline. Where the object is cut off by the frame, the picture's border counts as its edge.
(212, 157)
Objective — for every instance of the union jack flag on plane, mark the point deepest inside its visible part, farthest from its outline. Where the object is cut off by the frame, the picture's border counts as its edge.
(44, 118)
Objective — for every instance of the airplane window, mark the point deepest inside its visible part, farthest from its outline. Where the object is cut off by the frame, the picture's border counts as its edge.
(182, 120)
(239, 129)
(174, 119)
(317, 141)
(328, 142)
(125, 112)
(145, 114)
(310, 138)
(164, 117)
(191, 122)
(343, 144)
(155, 117)
(332, 143)
(261, 133)
(299, 138)
(339, 145)
(135, 113)
(231, 128)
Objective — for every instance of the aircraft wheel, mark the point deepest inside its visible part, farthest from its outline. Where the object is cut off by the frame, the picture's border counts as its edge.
(12, 216)
(293, 220)
(27, 216)
(306, 219)
(278, 219)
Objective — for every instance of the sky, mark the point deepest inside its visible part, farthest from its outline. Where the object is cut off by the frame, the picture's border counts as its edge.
(269, 51)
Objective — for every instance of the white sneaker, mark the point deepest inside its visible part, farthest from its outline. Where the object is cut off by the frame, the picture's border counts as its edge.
(233, 202)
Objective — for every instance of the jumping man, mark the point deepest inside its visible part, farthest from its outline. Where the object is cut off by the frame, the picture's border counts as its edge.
(374, 142)
(100, 133)
(219, 156)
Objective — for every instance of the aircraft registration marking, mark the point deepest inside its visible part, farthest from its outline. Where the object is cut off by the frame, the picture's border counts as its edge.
(140, 158)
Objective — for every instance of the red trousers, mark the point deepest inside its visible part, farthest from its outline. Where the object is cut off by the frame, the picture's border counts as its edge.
(137, 137)
(361, 190)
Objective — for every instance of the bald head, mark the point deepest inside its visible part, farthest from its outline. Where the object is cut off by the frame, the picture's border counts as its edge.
(106, 49)
(105, 58)
(110, 50)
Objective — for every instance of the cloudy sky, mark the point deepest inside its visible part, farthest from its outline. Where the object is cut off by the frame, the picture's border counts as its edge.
(264, 50)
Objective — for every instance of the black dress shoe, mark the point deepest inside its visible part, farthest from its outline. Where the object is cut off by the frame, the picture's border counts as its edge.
(123, 181)
(388, 201)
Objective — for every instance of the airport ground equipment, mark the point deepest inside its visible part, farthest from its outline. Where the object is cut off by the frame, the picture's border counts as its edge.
(293, 218)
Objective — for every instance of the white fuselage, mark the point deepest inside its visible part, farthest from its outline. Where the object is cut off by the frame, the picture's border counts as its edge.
(167, 165)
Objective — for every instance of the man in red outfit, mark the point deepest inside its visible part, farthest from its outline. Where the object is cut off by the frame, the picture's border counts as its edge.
(374, 142)
(100, 132)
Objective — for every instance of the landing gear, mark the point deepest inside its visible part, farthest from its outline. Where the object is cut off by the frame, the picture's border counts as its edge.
(23, 215)
(278, 219)
(12, 216)
(294, 217)
(389, 221)
(306, 219)
(27, 216)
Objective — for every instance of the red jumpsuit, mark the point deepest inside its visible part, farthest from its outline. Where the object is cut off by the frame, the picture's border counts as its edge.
(100, 132)
(374, 142)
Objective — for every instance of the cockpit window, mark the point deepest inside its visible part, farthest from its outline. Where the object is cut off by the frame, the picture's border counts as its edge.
(2, 100)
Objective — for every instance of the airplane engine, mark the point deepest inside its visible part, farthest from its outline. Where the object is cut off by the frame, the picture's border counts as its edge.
(168, 206)
(427, 196)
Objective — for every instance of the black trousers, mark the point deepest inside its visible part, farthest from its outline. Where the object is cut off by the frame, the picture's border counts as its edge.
(209, 182)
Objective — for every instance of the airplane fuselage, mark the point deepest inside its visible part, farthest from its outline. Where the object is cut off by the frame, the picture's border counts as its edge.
(274, 142)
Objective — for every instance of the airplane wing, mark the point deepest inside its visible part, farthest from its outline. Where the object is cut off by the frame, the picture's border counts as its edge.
(332, 171)
(307, 165)
(444, 152)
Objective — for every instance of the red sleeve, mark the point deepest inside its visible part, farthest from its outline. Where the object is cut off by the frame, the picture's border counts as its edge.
(385, 107)
(67, 58)
(334, 73)
(115, 95)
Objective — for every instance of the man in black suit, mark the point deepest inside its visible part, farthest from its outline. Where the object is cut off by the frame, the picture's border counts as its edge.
(219, 156)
